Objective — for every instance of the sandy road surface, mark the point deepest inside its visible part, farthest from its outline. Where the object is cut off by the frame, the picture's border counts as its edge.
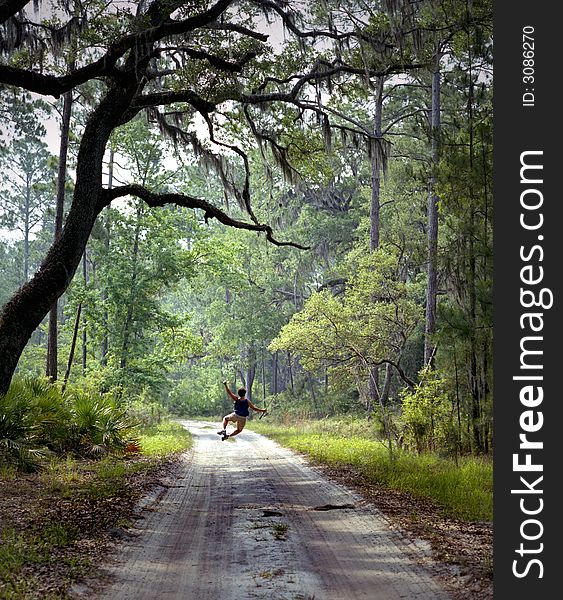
(248, 519)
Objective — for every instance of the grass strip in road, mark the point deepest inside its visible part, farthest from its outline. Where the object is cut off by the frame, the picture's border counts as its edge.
(462, 490)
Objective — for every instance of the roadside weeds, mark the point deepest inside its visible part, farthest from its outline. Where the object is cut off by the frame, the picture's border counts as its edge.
(57, 524)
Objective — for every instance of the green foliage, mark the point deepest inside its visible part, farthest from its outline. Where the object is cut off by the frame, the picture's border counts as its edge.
(340, 400)
(371, 322)
(97, 426)
(164, 439)
(37, 420)
(200, 393)
(427, 415)
(31, 414)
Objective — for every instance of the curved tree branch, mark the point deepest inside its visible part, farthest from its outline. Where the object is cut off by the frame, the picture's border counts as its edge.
(323, 70)
(211, 211)
(162, 98)
(218, 62)
(289, 22)
(262, 37)
(399, 370)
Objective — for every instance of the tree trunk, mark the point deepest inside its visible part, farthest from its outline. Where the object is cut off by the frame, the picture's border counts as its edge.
(30, 304)
(474, 379)
(26, 229)
(313, 395)
(432, 285)
(476, 389)
(52, 342)
(133, 289)
(458, 406)
(374, 218)
(84, 318)
(251, 371)
(475, 401)
(484, 396)
(107, 229)
(290, 370)
(386, 384)
(373, 391)
(385, 417)
(72, 346)
(376, 164)
(275, 373)
(263, 376)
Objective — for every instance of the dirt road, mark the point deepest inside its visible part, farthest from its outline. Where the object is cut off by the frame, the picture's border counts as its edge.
(247, 519)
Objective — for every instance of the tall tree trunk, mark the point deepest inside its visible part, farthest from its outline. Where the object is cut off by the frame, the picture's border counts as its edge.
(313, 395)
(275, 373)
(72, 346)
(432, 285)
(476, 403)
(133, 290)
(486, 346)
(386, 384)
(251, 371)
(290, 370)
(376, 167)
(84, 318)
(375, 220)
(107, 230)
(26, 231)
(386, 423)
(52, 341)
(263, 376)
(458, 406)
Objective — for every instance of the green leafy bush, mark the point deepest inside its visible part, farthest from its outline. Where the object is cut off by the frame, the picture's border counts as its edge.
(37, 419)
(97, 425)
(32, 415)
(427, 415)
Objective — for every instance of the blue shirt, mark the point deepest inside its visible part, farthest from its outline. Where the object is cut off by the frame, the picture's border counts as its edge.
(241, 407)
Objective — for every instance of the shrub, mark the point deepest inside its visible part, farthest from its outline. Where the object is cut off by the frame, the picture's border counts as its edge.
(97, 426)
(37, 419)
(32, 415)
(427, 414)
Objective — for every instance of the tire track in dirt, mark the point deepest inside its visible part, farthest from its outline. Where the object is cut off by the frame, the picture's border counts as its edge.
(248, 519)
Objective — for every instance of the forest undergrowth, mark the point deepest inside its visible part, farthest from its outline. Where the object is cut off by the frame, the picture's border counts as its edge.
(73, 509)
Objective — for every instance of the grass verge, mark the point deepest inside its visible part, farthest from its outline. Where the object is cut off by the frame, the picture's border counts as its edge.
(462, 490)
(55, 524)
(166, 438)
